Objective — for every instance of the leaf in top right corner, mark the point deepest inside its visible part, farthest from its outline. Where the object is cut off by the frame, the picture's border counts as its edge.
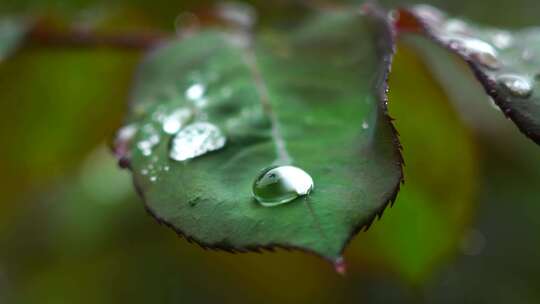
(506, 63)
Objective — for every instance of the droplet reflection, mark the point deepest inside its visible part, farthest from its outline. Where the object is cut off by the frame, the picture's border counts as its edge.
(282, 184)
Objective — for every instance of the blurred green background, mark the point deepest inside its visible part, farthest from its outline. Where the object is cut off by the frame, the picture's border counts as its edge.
(464, 228)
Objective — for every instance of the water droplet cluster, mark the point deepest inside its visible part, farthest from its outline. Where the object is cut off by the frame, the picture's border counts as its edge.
(195, 140)
(149, 139)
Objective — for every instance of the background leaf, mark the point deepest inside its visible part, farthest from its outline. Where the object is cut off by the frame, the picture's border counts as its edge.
(80, 111)
(506, 63)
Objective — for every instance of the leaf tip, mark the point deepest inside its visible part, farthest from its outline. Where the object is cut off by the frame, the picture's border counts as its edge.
(340, 267)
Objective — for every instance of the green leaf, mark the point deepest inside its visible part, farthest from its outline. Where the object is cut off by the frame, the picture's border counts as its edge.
(314, 97)
(506, 63)
(49, 124)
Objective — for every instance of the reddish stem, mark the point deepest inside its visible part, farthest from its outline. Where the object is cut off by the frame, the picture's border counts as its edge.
(44, 35)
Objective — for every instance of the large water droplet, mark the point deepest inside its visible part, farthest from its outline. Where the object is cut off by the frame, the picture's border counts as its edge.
(195, 140)
(176, 120)
(150, 139)
(282, 184)
(516, 85)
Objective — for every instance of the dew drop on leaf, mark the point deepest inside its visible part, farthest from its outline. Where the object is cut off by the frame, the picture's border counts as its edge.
(516, 85)
(483, 52)
(176, 120)
(429, 13)
(456, 26)
(237, 13)
(281, 184)
(502, 39)
(150, 139)
(126, 133)
(196, 140)
(365, 125)
(527, 55)
(122, 143)
(195, 91)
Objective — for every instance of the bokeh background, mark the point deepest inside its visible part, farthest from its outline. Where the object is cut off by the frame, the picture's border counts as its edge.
(72, 230)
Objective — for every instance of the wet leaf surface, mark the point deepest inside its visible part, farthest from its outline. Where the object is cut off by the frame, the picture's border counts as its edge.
(313, 97)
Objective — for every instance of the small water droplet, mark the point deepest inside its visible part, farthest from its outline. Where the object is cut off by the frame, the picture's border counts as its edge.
(429, 14)
(456, 26)
(195, 140)
(195, 94)
(144, 171)
(153, 178)
(527, 55)
(122, 143)
(196, 91)
(238, 39)
(502, 39)
(483, 52)
(240, 14)
(150, 140)
(176, 120)
(281, 184)
(365, 125)
(518, 86)
(126, 133)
